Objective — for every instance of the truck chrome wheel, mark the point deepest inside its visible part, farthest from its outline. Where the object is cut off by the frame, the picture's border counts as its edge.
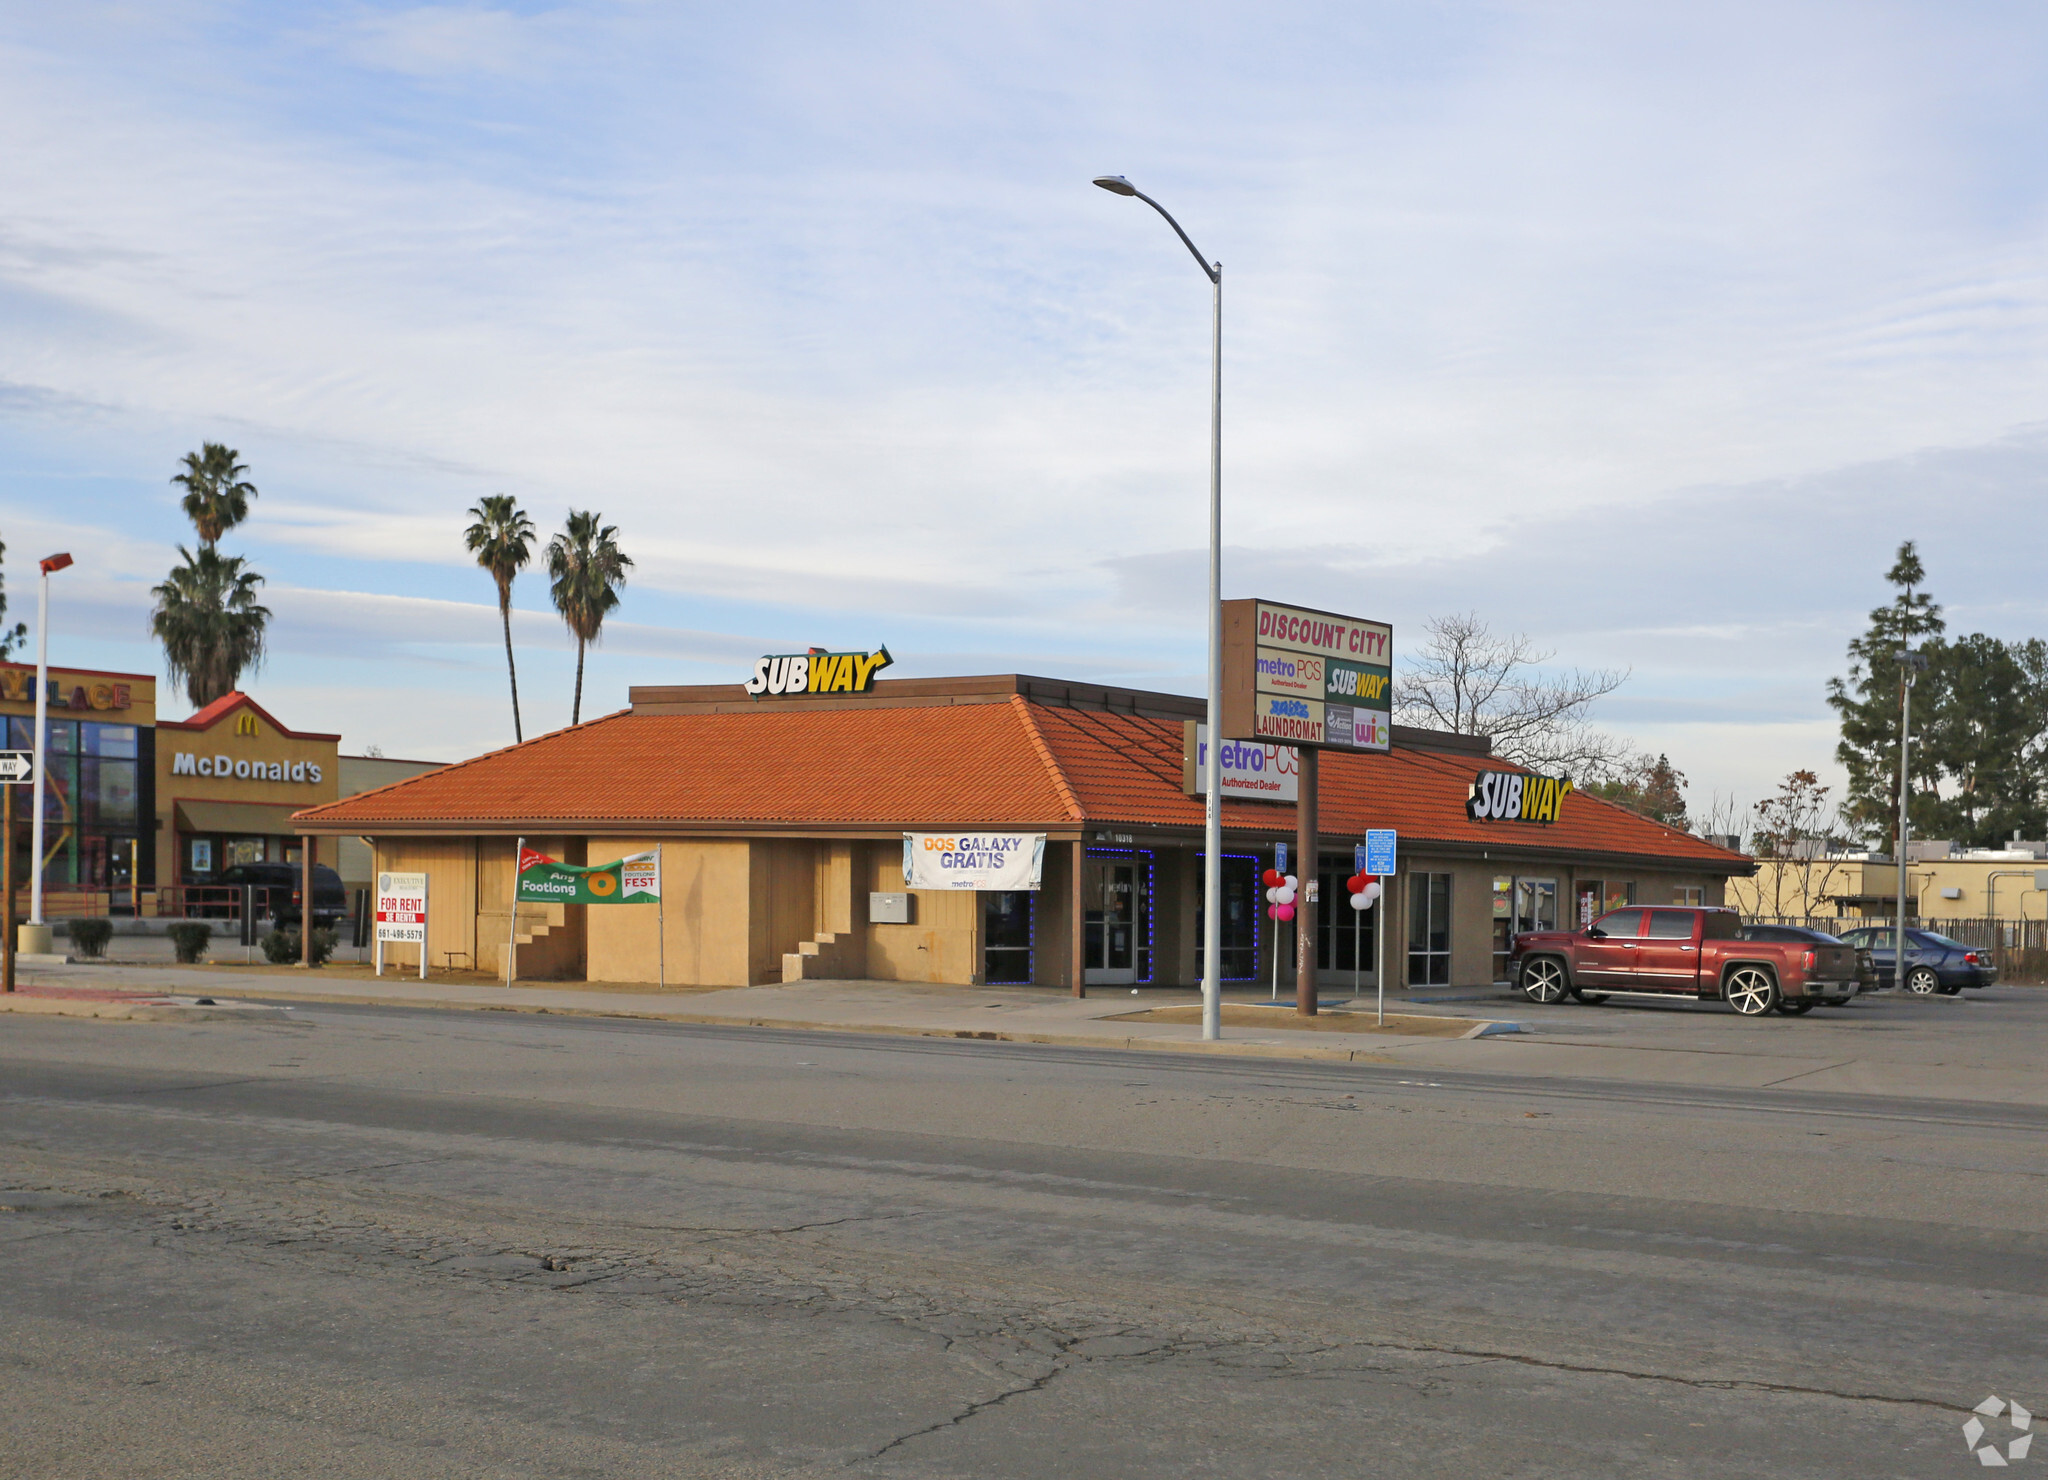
(1543, 980)
(1922, 981)
(1751, 991)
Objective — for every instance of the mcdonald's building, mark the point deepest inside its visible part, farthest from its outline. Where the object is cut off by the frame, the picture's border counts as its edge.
(143, 814)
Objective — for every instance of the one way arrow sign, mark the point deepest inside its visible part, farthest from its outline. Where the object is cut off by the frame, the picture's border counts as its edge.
(17, 766)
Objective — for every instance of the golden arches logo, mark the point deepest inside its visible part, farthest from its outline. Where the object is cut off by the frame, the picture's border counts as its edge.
(245, 724)
(603, 884)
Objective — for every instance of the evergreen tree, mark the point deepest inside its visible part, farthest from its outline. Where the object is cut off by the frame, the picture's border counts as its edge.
(1984, 730)
(1649, 786)
(1867, 700)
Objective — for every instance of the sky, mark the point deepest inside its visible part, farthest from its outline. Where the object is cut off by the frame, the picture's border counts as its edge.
(1647, 331)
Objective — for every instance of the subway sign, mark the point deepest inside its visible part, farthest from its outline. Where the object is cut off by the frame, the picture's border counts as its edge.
(817, 672)
(1516, 796)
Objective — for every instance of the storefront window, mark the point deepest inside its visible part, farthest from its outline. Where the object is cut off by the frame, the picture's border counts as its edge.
(1345, 939)
(1591, 900)
(1244, 904)
(92, 803)
(1535, 905)
(1429, 930)
(243, 850)
(1006, 936)
(1689, 894)
(1620, 896)
(1503, 924)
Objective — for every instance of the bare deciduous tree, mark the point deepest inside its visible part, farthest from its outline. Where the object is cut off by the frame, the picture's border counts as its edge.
(1466, 679)
(1797, 858)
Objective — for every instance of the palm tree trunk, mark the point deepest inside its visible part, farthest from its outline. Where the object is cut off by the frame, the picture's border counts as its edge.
(576, 710)
(505, 612)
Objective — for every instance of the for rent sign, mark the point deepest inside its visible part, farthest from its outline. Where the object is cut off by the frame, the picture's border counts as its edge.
(1306, 678)
(972, 860)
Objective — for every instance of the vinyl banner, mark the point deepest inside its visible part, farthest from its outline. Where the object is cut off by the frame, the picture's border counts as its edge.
(632, 880)
(995, 861)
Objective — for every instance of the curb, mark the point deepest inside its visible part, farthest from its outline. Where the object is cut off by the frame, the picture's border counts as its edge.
(1231, 1046)
(160, 1010)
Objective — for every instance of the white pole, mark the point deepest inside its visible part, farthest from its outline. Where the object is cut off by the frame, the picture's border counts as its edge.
(1212, 810)
(512, 929)
(426, 909)
(1905, 784)
(660, 922)
(35, 857)
(1379, 949)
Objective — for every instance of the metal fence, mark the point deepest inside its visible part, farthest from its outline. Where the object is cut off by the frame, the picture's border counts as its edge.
(2018, 948)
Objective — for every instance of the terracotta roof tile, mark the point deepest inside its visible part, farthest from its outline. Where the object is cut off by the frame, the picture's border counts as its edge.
(1013, 763)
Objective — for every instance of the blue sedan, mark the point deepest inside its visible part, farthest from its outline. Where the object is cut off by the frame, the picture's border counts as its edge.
(1934, 963)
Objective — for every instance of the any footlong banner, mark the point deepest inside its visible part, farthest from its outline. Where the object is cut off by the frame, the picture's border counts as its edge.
(632, 880)
(973, 860)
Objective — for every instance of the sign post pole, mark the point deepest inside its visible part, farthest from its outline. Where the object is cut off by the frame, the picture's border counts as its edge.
(1307, 822)
(7, 876)
(660, 925)
(1381, 854)
(1357, 921)
(512, 927)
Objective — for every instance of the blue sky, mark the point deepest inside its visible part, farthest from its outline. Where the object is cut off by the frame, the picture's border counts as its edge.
(1650, 332)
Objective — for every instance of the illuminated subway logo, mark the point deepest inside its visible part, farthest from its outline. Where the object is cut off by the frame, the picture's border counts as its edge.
(1516, 796)
(817, 672)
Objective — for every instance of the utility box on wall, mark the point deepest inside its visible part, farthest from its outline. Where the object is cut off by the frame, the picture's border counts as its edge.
(889, 909)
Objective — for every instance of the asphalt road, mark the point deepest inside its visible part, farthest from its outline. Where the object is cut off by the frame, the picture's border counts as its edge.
(389, 1242)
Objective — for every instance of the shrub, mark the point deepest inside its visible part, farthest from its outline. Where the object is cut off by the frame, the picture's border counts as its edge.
(282, 946)
(189, 939)
(90, 937)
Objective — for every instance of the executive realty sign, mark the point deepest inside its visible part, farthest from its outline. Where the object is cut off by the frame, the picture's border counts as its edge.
(1296, 676)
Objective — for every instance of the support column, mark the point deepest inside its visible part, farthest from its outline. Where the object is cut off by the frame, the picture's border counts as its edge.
(305, 901)
(1077, 949)
(1306, 827)
(7, 875)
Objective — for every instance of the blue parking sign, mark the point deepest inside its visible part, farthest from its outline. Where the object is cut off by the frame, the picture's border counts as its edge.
(1379, 851)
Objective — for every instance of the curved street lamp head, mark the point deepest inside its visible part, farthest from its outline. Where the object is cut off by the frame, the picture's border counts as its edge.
(1116, 184)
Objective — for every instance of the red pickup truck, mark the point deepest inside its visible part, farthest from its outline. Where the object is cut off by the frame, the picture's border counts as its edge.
(1660, 951)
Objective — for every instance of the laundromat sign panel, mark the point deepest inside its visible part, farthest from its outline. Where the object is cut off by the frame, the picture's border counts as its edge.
(1303, 677)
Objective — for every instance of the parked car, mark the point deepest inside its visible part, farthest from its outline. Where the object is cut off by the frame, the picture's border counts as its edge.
(1867, 979)
(1934, 963)
(1681, 952)
(282, 882)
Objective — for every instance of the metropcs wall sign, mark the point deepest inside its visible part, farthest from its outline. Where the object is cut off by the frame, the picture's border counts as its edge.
(1516, 796)
(1306, 678)
(818, 672)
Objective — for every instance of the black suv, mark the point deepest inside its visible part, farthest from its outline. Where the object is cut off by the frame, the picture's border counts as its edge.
(280, 884)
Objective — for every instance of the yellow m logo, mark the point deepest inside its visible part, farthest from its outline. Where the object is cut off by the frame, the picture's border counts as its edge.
(245, 724)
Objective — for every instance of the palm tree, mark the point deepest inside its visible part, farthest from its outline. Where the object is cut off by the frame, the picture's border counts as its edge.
(216, 494)
(502, 539)
(587, 568)
(209, 623)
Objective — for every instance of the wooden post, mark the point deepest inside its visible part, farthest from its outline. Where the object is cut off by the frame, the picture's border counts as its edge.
(305, 900)
(7, 874)
(1077, 908)
(1308, 866)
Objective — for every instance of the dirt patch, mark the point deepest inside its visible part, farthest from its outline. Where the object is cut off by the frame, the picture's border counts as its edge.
(1247, 1015)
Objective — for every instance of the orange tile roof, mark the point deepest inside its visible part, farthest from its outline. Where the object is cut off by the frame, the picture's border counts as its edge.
(1008, 764)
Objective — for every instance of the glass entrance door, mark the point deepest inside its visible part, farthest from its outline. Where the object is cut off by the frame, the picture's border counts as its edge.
(1111, 890)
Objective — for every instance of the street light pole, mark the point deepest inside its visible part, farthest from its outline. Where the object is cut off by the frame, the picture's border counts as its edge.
(41, 784)
(1911, 664)
(1212, 771)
